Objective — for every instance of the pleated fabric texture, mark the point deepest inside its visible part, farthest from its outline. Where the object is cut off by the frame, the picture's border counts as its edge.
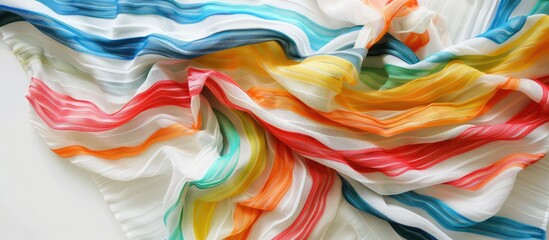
(297, 119)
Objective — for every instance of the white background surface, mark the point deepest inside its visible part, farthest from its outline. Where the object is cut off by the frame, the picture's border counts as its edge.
(42, 196)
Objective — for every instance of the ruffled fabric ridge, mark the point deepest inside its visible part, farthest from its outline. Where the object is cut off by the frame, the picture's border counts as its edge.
(286, 119)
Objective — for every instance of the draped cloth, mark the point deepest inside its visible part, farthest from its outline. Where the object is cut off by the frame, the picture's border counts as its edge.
(297, 119)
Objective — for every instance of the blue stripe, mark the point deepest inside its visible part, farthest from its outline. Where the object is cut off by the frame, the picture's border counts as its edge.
(197, 12)
(350, 194)
(129, 48)
(392, 46)
(411, 233)
(505, 31)
(504, 10)
(497, 227)
(498, 35)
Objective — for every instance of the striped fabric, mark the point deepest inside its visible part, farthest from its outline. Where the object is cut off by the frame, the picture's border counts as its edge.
(297, 119)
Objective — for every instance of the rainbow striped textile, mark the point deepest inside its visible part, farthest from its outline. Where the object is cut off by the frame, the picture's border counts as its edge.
(297, 119)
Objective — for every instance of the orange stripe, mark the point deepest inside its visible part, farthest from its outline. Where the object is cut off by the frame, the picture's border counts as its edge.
(163, 134)
(277, 184)
(391, 10)
(512, 83)
(280, 99)
(415, 41)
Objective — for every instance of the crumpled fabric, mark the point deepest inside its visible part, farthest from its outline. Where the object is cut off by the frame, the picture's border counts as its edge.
(286, 119)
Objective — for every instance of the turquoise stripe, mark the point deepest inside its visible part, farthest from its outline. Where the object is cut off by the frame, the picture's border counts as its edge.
(542, 7)
(217, 174)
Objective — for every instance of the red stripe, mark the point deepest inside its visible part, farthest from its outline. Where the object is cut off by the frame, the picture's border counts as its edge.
(396, 161)
(481, 177)
(63, 112)
(323, 179)
(60, 111)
